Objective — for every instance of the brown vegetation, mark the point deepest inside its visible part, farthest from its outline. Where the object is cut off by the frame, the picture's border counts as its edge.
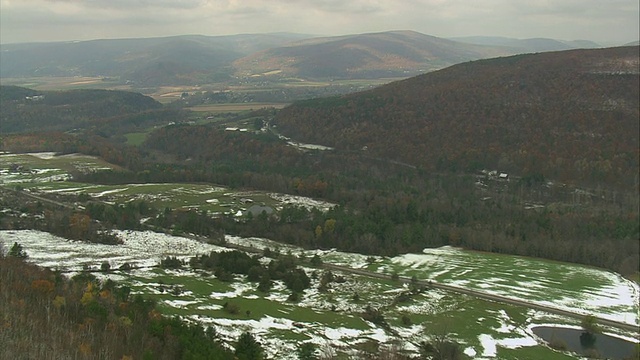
(46, 316)
(571, 116)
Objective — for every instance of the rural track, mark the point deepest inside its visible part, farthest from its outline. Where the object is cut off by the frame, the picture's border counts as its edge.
(491, 297)
(39, 198)
(461, 290)
(429, 283)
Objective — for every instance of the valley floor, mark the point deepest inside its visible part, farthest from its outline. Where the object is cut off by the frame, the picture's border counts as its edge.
(331, 319)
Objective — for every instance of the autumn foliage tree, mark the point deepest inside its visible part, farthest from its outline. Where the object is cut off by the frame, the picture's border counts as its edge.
(46, 316)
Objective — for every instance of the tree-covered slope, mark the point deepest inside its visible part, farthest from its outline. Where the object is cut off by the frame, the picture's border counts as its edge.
(570, 115)
(24, 109)
(47, 316)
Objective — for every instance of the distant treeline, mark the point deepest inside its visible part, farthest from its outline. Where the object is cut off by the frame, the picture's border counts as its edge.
(387, 208)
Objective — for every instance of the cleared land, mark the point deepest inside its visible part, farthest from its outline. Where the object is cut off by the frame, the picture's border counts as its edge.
(331, 319)
(486, 329)
(213, 108)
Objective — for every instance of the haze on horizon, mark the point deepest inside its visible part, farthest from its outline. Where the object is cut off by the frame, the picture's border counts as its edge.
(610, 22)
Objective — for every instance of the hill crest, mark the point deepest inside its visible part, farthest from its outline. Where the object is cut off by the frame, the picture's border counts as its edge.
(570, 115)
(384, 54)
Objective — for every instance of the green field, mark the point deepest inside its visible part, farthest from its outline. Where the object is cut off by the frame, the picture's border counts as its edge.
(464, 318)
(334, 317)
(235, 107)
(137, 138)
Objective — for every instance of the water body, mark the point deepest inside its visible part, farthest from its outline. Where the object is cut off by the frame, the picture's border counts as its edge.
(581, 342)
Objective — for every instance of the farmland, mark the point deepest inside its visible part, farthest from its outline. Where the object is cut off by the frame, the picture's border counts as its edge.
(246, 93)
(216, 108)
(328, 319)
(331, 318)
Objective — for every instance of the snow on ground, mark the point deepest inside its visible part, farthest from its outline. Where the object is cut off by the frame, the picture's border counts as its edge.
(38, 175)
(239, 289)
(139, 248)
(180, 303)
(43, 155)
(69, 190)
(607, 295)
(277, 348)
(144, 248)
(490, 345)
(470, 351)
(308, 146)
(302, 201)
(260, 243)
(83, 163)
(353, 260)
(108, 192)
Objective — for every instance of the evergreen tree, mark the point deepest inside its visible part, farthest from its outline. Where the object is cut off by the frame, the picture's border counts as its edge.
(248, 348)
(307, 351)
(17, 251)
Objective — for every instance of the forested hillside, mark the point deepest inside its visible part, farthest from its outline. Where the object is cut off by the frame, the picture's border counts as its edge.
(48, 316)
(23, 110)
(570, 116)
(198, 60)
(390, 208)
(563, 125)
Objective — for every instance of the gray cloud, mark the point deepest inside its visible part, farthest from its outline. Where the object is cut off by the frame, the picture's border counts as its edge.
(47, 20)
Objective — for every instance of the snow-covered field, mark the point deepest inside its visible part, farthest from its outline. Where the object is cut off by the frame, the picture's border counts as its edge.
(139, 248)
(331, 320)
(146, 249)
(559, 285)
(45, 167)
(286, 199)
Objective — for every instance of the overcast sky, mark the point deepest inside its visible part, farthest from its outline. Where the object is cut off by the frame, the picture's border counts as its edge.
(603, 21)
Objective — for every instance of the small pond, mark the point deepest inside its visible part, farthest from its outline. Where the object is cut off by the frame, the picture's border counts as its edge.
(581, 342)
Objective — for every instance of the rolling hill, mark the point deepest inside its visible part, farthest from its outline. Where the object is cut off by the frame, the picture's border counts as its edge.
(528, 45)
(570, 115)
(374, 55)
(195, 59)
(151, 61)
(26, 110)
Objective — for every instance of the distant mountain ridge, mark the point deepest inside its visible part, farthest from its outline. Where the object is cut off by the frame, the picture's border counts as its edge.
(528, 45)
(196, 59)
(386, 54)
(150, 61)
(570, 115)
